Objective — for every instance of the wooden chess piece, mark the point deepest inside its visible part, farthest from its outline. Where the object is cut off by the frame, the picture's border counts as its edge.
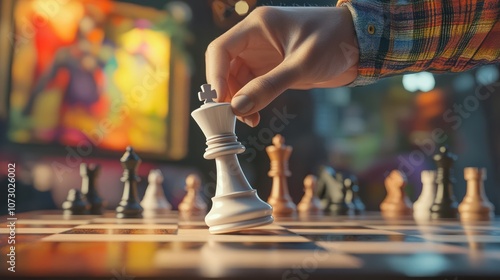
(280, 198)
(192, 203)
(76, 203)
(475, 206)
(396, 203)
(129, 206)
(445, 205)
(89, 173)
(309, 204)
(154, 198)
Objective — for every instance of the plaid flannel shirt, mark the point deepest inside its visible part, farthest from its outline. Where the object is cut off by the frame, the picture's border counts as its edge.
(400, 36)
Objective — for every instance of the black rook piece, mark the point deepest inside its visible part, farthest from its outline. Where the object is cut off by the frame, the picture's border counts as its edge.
(444, 205)
(75, 203)
(129, 206)
(89, 175)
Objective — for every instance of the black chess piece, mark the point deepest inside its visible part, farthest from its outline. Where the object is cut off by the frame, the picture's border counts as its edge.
(351, 195)
(445, 205)
(89, 173)
(359, 206)
(75, 203)
(129, 206)
(331, 191)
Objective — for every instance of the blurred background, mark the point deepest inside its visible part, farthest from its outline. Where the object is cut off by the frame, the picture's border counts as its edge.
(81, 80)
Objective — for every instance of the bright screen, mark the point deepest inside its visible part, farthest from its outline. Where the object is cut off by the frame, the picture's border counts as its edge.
(97, 71)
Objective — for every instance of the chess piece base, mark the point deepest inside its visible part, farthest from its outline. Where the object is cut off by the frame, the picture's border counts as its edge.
(339, 209)
(487, 216)
(238, 211)
(282, 207)
(444, 210)
(129, 210)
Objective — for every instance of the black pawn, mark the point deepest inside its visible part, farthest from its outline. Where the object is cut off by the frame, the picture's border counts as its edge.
(89, 175)
(75, 203)
(352, 197)
(359, 206)
(445, 205)
(331, 191)
(129, 206)
(349, 193)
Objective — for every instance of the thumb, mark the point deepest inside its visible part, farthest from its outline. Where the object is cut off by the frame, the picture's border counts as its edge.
(260, 91)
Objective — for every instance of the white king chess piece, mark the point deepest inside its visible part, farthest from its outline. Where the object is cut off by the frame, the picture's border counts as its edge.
(236, 205)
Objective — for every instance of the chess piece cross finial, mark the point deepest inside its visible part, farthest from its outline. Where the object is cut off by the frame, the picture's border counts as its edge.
(207, 94)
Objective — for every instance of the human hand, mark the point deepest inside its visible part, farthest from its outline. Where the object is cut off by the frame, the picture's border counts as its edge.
(277, 48)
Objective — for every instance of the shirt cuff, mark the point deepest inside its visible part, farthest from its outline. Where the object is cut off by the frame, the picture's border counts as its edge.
(369, 23)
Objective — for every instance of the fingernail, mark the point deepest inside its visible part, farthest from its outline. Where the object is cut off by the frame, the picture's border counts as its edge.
(242, 104)
(249, 122)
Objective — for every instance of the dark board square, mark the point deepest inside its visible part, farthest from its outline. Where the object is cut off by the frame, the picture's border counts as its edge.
(193, 226)
(363, 237)
(325, 227)
(479, 246)
(263, 232)
(68, 226)
(119, 231)
(269, 245)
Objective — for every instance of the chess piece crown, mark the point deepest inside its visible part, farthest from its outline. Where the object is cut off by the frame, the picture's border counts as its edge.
(217, 121)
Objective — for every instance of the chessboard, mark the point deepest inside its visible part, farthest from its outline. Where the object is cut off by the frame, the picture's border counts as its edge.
(164, 244)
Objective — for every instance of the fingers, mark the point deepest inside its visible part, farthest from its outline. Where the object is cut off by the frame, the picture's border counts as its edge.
(260, 91)
(219, 55)
(251, 120)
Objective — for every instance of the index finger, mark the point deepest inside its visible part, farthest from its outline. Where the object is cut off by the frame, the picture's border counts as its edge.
(219, 54)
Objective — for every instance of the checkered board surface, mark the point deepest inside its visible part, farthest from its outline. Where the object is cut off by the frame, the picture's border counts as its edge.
(163, 245)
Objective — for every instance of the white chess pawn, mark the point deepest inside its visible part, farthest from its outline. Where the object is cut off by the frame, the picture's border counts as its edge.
(192, 203)
(309, 204)
(154, 198)
(236, 205)
(422, 206)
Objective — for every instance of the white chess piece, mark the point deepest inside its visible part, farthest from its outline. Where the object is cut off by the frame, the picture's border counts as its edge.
(154, 198)
(422, 206)
(236, 205)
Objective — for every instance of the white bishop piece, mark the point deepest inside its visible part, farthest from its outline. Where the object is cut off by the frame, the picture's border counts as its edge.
(236, 205)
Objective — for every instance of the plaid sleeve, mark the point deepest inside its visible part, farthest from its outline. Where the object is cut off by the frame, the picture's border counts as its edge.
(400, 36)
